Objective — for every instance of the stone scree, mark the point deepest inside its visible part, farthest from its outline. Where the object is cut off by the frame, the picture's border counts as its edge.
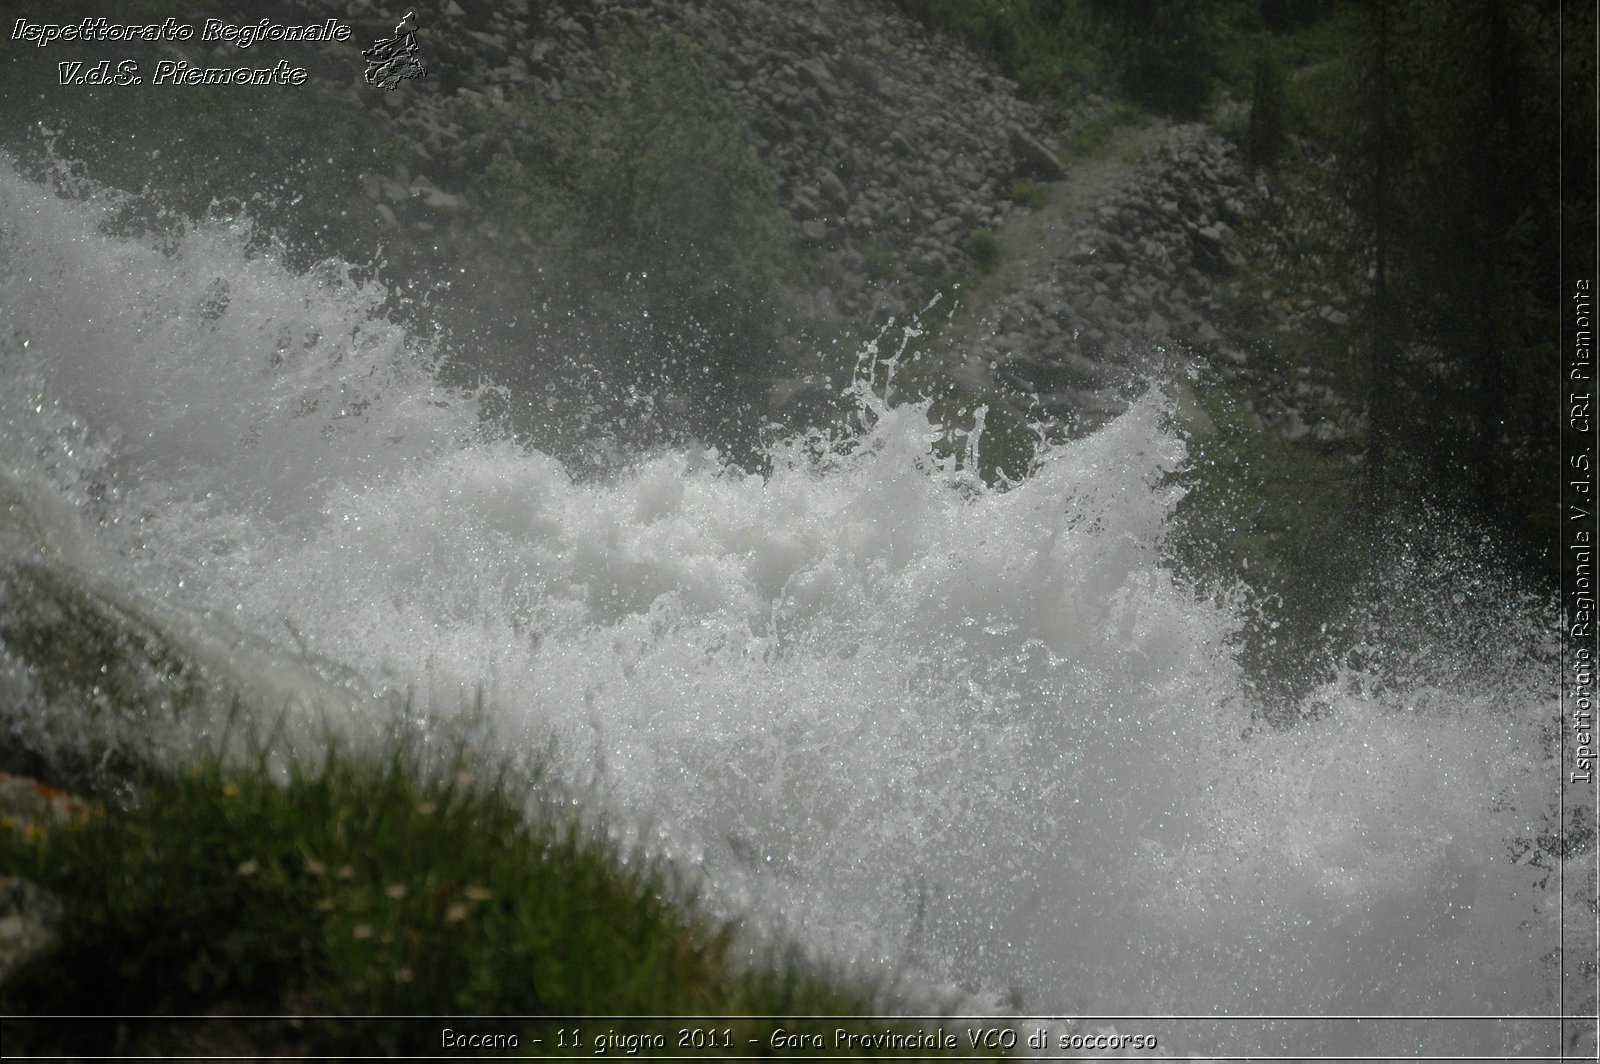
(891, 143)
(885, 137)
(1140, 279)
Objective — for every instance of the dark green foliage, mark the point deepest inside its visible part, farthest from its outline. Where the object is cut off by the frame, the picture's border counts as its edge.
(1447, 143)
(1046, 45)
(1166, 55)
(1165, 51)
(1285, 16)
(984, 247)
(1268, 125)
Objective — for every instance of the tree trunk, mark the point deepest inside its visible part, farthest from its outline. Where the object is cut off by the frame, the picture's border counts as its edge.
(1381, 382)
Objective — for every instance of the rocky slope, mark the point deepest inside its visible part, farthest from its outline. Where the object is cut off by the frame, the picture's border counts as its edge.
(903, 160)
(885, 137)
(897, 152)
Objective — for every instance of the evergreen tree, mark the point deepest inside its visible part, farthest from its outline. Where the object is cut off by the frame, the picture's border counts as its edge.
(1374, 141)
(1452, 133)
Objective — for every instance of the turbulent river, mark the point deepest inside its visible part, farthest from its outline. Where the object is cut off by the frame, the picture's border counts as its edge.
(977, 739)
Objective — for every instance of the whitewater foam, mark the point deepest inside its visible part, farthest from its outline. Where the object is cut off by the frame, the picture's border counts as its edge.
(970, 736)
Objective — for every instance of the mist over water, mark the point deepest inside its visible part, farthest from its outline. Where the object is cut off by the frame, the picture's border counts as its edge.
(972, 738)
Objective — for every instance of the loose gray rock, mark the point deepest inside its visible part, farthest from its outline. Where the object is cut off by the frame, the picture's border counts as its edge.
(1032, 159)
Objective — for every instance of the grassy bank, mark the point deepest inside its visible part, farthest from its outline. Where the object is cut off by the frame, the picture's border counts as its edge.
(400, 884)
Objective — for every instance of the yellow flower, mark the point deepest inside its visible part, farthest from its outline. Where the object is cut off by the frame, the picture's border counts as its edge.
(230, 789)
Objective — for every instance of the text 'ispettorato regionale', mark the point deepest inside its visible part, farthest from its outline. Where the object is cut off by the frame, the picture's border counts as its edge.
(177, 72)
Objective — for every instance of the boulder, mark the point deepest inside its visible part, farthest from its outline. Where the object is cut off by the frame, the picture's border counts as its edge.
(1030, 158)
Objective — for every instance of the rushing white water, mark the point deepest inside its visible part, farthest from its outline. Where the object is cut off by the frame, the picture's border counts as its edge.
(978, 738)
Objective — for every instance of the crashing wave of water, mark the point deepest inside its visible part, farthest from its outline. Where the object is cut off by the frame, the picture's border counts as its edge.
(968, 736)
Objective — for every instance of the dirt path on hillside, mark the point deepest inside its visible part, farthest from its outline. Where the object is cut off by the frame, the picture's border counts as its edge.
(1033, 242)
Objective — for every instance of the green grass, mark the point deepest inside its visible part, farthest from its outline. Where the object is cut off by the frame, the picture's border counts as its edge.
(395, 884)
(1029, 194)
(984, 247)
